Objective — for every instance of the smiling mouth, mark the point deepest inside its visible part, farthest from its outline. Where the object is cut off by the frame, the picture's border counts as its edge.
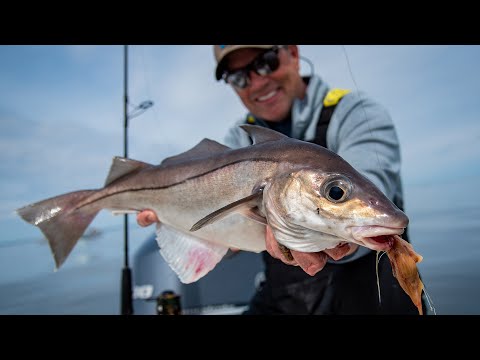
(267, 96)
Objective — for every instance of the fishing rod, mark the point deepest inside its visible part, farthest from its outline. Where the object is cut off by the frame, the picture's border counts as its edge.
(126, 291)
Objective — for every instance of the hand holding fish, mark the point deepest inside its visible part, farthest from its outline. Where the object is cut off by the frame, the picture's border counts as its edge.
(310, 262)
(146, 218)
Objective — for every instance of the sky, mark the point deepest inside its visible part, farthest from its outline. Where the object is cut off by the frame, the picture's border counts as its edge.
(61, 118)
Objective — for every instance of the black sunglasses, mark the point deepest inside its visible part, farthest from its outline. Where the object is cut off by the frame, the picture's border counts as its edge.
(265, 63)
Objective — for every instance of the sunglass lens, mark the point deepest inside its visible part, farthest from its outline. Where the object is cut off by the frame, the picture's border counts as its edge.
(238, 78)
(271, 58)
(268, 63)
(265, 64)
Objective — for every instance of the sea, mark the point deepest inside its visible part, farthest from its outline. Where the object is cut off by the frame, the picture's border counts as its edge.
(444, 229)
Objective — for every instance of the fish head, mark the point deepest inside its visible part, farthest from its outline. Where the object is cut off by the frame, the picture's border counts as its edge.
(313, 210)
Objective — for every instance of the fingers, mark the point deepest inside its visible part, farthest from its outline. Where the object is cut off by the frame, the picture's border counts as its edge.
(273, 247)
(147, 217)
(340, 251)
(311, 263)
(285, 252)
(353, 248)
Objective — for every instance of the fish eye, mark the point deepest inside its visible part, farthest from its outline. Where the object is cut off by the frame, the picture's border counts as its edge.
(336, 193)
(337, 189)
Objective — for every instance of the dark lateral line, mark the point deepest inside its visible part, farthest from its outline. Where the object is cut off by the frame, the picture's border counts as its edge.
(178, 183)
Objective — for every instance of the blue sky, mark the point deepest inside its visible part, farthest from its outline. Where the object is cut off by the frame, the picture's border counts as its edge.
(61, 116)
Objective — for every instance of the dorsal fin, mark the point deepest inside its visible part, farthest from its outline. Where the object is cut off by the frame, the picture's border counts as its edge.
(261, 134)
(204, 147)
(123, 166)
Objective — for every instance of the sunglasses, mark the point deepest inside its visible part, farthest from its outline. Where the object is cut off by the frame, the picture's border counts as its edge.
(264, 64)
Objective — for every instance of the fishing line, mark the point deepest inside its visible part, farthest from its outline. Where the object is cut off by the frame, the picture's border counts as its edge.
(144, 72)
(378, 278)
(310, 63)
(427, 296)
(375, 150)
(361, 102)
(145, 69)
(429, 300)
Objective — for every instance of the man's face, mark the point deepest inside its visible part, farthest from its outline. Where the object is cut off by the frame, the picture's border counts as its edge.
(270, 96)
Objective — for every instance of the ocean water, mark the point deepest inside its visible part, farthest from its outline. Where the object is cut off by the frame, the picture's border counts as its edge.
(445, 232)
(87, 283)
(451, 251)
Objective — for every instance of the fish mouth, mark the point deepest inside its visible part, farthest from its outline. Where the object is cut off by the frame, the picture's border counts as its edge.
(378, 238)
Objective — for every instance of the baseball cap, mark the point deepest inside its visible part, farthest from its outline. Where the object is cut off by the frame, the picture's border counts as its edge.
(221, 51)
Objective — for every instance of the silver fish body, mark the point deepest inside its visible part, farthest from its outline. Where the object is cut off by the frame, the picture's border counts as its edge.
(211, 198)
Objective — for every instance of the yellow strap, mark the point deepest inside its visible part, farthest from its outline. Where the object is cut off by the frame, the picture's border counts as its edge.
(334, 96)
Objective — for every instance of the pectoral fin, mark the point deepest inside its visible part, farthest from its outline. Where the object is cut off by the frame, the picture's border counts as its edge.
(244, 206)
(190, 257)
(254, 214)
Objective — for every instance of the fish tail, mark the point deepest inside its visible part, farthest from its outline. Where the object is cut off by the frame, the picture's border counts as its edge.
(61, 220)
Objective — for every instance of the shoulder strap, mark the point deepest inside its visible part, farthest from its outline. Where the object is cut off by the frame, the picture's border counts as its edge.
(330, 101)
(250, 119)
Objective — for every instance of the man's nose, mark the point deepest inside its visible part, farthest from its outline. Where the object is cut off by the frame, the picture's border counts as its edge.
(256, 80)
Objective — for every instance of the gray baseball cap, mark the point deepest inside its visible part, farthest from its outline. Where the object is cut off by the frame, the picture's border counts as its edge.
(221, 51)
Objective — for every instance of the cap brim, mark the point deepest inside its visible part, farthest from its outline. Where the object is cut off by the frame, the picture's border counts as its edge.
(220, 68)
(221, 63)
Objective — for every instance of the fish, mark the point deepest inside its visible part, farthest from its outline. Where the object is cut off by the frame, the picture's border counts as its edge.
(212, 198)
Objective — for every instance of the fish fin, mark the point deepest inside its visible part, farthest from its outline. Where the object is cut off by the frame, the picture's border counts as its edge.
(203, 148)
(123, 166)
(254, 214)
(61, 221)
(260, 134)
(190, 257)
(238, 206)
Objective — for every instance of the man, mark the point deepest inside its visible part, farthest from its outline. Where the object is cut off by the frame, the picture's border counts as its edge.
(338, 281)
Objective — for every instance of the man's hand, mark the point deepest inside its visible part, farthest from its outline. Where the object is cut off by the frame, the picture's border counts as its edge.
(147, 217)
(311, 263)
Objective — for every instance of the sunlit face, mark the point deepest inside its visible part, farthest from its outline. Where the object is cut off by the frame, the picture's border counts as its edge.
(271, 96)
